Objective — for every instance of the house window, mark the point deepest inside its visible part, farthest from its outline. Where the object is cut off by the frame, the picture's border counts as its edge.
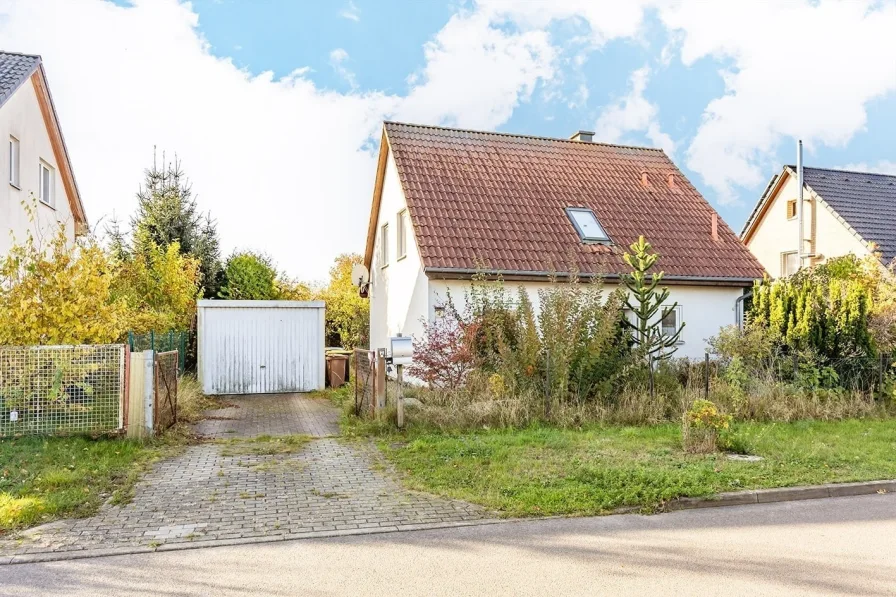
(439, 312)
(402, 237)
(586, 225)
(384, 245)
(790, 263)
(45, 183)
(671, 321)
(14, 162)
(791, 209)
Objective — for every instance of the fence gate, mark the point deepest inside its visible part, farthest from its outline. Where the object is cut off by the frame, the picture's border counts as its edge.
(261, 347)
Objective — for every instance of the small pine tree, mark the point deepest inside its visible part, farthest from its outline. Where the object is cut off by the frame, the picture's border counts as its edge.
(645, 299)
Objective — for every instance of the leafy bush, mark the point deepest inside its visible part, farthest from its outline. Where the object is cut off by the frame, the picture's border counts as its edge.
(249, 276)
(701, 426)
(159, 287)
(59, 294)
(443, 356)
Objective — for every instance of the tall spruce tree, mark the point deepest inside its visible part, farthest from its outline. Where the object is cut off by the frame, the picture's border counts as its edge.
(167, 213)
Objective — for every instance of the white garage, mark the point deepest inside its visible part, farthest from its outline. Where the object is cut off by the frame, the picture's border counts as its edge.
(260, 347)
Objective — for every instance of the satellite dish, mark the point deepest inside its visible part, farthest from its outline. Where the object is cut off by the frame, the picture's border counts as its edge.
(360, 275)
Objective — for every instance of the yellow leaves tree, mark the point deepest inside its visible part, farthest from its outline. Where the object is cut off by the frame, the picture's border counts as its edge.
(159, 287)
(58, 294)
(348, 315)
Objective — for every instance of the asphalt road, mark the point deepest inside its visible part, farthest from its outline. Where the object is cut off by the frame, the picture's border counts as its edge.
(843, 546)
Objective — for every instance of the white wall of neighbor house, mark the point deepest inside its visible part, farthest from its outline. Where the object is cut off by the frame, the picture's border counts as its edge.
(825, 234)
(21, 119)
(399, 290)
(704, 309)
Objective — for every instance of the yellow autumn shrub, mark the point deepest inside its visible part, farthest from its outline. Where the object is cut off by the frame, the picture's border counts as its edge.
(159, 288)
(59, 293)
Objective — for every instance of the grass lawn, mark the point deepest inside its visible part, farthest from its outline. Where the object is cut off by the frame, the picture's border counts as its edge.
(543, 471)
(45, 478)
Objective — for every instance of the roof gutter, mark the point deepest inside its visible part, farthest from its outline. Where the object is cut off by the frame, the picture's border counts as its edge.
(451, 273)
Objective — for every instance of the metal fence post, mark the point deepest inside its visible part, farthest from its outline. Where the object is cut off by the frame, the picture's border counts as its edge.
(650, 368)
(706, 376)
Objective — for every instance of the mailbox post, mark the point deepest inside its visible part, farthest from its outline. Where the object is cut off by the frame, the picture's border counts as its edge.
(401, 354)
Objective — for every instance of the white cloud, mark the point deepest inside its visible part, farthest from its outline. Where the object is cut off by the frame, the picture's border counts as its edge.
(879, 167)
(351, 12)
(337, 61)
(477, 72)
(284, 166)
(799, 70)
(633, 113)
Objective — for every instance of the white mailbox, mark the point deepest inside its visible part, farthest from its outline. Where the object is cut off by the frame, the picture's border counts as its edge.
(402, 348)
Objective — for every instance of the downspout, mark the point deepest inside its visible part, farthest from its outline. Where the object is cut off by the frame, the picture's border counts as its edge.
(799, 204)
(739, 313)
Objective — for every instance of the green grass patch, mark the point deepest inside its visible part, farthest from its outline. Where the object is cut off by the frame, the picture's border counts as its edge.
(543, 471)
(45, 478)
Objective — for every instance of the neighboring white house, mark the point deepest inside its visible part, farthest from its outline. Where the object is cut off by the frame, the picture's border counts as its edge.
(843, 212)
(35, 160)
(449, 203)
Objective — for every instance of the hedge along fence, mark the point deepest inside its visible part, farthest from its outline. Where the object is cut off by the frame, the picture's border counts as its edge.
(47, 390)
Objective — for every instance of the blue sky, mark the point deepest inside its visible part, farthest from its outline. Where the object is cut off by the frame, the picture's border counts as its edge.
(274, 106)
(385, 42)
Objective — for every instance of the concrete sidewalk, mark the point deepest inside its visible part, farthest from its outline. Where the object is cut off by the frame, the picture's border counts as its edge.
(839, 546)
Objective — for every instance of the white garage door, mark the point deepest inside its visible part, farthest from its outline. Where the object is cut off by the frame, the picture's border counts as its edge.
(260, 347)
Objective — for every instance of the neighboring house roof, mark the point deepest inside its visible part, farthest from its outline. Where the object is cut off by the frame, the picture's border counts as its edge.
(866, 202)
(15, 70)
(495, 201)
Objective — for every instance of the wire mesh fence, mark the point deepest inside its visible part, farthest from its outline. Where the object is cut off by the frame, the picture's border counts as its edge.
(162, 342)
(165, 390)
(61, 389)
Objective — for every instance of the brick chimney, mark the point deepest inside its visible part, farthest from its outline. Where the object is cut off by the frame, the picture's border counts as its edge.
(584, 136)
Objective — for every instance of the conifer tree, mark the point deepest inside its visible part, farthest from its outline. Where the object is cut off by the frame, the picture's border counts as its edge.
(645, 299)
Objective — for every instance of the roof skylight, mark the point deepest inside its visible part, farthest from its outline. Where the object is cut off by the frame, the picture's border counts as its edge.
(586, 224)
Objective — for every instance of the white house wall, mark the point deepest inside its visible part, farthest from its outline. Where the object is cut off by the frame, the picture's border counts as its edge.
(399, 290)
(704, 309)
(21, 118)
(826, 236)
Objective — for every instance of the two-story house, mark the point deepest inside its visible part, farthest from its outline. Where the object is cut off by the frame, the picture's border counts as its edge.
(843, 212)
(34, 157)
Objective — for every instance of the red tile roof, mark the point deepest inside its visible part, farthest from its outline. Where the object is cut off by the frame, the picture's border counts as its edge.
(497, 200)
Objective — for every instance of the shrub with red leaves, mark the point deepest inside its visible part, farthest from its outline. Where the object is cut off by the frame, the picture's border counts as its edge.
(444, 356)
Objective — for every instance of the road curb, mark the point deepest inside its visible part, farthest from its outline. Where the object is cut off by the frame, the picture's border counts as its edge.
(50, 556)
(783, 494)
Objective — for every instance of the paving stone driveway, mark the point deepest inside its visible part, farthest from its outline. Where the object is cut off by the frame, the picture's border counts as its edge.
(224, 491)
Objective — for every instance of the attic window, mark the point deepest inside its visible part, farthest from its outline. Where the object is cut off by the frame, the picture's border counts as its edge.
(586, 225)
(791, 209)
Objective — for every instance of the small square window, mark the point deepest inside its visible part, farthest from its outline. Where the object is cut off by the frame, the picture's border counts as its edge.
(402, 237)
(790, 263)
(671, 321)
(14, 162)
(384, 245)
(791, 209)
(45, 184)
(586, 225)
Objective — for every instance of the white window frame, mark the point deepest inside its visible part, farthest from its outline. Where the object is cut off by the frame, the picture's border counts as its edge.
(46, 194)
(784, 255)
(664, 310)
(384, 245)
(401, 239)
(15, 160)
